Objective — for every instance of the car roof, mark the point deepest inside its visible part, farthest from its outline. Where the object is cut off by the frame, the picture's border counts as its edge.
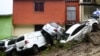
(31, 34)
(72, 28)
(54, 24)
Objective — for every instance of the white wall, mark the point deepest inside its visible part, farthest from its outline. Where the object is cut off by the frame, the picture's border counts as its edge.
(6, 7)
(81, 1)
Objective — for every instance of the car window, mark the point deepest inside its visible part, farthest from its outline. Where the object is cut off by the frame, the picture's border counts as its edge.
(20, 38)
(78, 29)
(12, 42)
(2, 43)
(65, 36)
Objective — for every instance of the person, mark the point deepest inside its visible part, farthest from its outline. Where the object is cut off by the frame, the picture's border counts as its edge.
(96, 14)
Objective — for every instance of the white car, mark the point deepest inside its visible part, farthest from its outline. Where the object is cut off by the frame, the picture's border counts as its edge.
(53, 28)
(30, 41)
(78, 31)
(50, 30)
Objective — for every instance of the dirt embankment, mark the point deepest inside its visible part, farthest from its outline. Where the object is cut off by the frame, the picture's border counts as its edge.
(82, 49)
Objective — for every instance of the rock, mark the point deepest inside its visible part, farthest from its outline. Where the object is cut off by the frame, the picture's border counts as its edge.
(94, 38)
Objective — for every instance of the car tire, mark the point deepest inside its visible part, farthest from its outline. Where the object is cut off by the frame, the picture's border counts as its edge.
(35, 49)
(95, 27)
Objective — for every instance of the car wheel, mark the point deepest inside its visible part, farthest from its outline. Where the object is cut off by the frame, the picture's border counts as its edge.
(95, 27)
(35, 49)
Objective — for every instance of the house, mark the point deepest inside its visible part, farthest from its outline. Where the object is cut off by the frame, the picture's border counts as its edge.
(87, 7)
(72, 11)
(6, 11)
(31, 15)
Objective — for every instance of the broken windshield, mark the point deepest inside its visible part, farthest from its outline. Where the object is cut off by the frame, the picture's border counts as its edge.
(65, 36)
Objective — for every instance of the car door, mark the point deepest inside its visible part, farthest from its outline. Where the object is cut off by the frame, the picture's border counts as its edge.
(2, 45)
(20, 43)
(77, 33)
(40, 40)
(87, 29)
(10, 45)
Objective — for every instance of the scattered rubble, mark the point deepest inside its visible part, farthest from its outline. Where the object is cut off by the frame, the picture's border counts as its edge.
(82, 49)
(95, 37)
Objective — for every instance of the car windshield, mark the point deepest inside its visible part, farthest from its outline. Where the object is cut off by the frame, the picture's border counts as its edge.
(66, 35)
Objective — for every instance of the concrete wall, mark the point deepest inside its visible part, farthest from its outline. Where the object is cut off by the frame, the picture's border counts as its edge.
(5, 26)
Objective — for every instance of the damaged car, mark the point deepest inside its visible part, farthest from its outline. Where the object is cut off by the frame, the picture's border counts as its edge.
(78, 30)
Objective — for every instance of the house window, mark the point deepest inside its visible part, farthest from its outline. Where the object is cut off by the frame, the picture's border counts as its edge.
(87, 0)
(71, 13)
(39, 6)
